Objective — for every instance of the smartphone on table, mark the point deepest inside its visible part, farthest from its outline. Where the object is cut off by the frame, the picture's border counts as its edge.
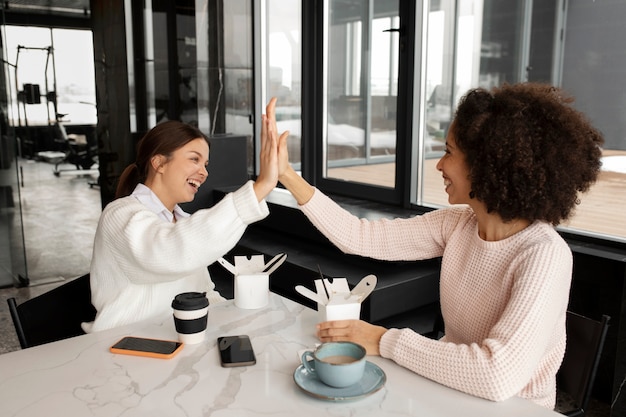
(141, 346)
(235, 351)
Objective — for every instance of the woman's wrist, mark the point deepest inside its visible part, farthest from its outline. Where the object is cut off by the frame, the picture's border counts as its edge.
(261, 189)
(286, 178)
(297, 186)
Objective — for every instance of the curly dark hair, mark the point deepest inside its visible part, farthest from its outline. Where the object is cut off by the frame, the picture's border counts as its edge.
(529, 152)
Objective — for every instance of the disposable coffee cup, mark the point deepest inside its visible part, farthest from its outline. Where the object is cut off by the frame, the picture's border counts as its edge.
(337, 364)
(191, 312)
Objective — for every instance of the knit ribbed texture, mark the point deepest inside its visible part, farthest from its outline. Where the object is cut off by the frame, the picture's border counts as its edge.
(140, 263)
(503, 302)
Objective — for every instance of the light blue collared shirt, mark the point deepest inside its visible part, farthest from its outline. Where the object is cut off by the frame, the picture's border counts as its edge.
(149, 199)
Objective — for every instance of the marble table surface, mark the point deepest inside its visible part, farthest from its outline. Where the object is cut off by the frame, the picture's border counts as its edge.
(80, 377)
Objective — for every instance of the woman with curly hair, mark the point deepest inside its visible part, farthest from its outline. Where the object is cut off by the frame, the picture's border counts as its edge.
(516, 159)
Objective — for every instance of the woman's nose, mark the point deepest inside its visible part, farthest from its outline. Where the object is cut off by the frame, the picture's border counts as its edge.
(439, 163)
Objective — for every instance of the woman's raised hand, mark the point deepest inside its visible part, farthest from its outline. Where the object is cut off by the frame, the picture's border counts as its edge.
(268, 156)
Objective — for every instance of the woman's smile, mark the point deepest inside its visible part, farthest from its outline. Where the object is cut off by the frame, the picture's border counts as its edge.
(195, 184)
(455, 172)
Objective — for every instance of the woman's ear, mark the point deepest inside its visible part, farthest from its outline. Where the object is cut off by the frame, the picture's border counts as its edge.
(157, 162)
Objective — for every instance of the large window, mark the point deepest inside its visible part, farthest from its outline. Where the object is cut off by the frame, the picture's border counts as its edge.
(368, 88)
(45, 71)
(484, 43)
(457, 45)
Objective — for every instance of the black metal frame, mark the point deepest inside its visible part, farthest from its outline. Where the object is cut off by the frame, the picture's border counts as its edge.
(312, 108)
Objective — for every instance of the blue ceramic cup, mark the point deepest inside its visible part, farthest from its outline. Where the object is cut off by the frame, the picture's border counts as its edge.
(338, 364)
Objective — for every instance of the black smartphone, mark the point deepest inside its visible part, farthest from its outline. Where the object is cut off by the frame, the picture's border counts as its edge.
(141, 346)
(235, 351)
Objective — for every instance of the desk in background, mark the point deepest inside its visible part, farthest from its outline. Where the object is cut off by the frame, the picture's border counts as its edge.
(79, 377)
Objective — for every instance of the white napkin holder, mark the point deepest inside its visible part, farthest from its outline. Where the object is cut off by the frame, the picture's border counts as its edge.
(335, 301)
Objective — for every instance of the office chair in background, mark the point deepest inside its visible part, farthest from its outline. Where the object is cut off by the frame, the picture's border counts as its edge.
(78, 149)
(585, 340)
(54, 315)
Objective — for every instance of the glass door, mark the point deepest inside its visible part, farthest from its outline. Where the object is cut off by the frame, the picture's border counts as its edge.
(13, 269)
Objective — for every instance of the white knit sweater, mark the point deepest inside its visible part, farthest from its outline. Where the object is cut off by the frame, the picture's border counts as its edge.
(503, 302)
(140, 263)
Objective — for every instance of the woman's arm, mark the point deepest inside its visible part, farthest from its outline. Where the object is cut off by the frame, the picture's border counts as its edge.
(140, 241)
(384, 239)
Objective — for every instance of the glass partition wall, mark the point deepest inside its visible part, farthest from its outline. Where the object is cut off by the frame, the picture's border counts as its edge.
(13, 269)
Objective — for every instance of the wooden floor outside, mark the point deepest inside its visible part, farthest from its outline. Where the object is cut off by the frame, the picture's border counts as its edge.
(602, 210)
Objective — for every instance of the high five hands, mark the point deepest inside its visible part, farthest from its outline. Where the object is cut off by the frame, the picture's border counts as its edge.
(271, 146)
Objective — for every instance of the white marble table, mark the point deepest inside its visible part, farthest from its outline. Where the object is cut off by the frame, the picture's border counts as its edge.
(79, 377)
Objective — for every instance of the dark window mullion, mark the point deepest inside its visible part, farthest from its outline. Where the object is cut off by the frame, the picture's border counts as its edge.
(173, 109)
(312, 94)
(139, 61)
(404, 109)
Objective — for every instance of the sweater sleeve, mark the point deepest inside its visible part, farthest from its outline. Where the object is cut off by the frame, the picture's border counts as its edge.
(400, 239)
(166, 251)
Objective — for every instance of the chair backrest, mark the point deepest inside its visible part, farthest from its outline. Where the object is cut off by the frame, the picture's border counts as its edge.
(585, 340)
(54, 315)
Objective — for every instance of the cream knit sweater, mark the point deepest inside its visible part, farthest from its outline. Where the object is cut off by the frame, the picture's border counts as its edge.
(140, 262)
(503, 302)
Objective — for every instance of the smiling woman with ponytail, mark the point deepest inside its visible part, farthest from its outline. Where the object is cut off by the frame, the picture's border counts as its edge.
(147, 249)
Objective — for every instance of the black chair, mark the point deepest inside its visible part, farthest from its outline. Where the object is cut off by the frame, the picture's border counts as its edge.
(79, 151)
(54, 315)
(585, 340)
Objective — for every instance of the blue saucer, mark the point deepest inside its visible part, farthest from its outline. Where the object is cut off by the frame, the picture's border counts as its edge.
(373, 380)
